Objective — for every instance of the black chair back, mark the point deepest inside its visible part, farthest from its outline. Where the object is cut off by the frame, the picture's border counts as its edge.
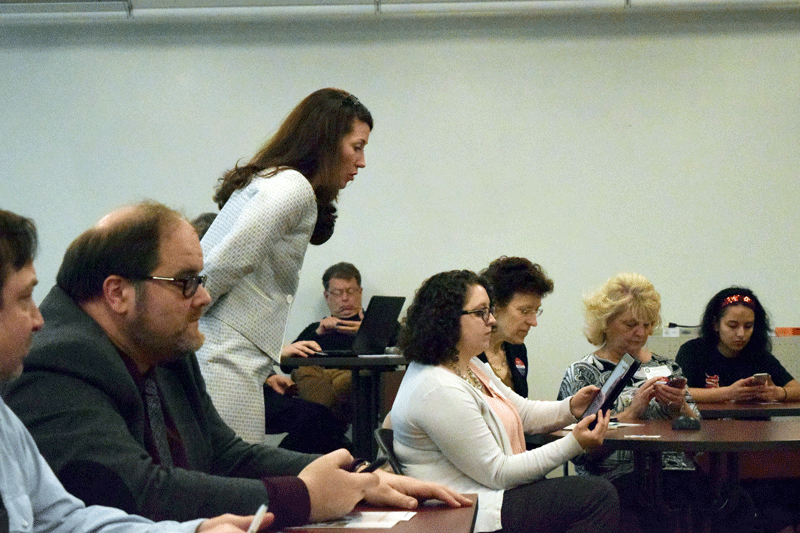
(385, 439)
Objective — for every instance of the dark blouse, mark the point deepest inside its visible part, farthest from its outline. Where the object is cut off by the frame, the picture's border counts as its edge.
(517, 359)
(698, 359)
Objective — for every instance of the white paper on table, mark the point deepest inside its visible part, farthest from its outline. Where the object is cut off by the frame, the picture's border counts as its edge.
(363, 520)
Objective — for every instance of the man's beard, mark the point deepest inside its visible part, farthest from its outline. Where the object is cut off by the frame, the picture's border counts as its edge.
(162, 348)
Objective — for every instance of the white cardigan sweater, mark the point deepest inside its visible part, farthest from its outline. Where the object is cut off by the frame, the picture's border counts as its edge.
(445, 431)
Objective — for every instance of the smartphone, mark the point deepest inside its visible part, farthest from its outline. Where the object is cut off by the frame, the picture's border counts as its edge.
(677, 382)
(374, 465)
(370, 467)
(761, 378)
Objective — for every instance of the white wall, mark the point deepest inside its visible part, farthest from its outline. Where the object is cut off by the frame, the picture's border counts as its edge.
(665, 144)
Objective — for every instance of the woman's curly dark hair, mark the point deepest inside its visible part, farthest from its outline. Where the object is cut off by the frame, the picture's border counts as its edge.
(513, 275)
(432, 325)
(759, 340)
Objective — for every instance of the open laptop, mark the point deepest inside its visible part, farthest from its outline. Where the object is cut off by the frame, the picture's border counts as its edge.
(377, 328)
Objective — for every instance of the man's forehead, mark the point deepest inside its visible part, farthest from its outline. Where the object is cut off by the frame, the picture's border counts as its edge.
(342, 281)
(180, 248)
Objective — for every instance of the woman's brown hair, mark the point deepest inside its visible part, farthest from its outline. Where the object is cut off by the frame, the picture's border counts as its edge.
(308, 141)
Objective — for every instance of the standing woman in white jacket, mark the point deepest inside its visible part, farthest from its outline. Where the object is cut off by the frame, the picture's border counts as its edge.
(270, 209)
(457, 424)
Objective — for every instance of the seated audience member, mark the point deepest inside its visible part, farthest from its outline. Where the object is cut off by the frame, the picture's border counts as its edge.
(31, 498)
(455, 422)
(113, 395)
(330, 387)
(202, 222)
(518, 287)
(734, 345)
(620, 316)
(309, 427)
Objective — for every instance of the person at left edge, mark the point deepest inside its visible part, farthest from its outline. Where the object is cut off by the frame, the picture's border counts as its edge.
(255, 247)
(31, 497)
(113, 395)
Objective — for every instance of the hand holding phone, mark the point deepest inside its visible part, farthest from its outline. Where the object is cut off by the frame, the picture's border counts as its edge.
(356, 465)
(761, 378)
(676, 382)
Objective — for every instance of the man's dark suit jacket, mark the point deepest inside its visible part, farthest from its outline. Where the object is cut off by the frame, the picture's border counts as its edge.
(87, 416)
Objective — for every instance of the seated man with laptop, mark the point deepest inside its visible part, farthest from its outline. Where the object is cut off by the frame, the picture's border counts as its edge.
(332, 387)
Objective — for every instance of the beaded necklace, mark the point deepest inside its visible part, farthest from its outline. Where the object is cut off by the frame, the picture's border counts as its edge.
(469, 377)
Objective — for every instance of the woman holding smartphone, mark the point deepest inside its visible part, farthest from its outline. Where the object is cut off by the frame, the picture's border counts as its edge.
(731, 360)
(456, 423)
(620, 316)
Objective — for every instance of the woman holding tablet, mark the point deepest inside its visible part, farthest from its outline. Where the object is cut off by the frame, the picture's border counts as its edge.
(733, 348)
(620, 316)
(455, 422)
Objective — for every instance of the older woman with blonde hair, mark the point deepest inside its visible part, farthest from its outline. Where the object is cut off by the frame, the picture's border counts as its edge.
(620, 316)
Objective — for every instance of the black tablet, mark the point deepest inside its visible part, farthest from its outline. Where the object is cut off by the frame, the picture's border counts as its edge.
(613, 386)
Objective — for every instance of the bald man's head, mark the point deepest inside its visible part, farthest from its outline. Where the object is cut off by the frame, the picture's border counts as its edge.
(125, 243)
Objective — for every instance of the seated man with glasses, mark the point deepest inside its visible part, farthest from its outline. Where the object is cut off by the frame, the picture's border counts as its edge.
(331, 386)
(113, 395)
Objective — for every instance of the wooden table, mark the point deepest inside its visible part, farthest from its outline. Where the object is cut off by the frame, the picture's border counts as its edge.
(436, 518)
(366, 372)
(743, 411)
(719, 439)
(757, 465)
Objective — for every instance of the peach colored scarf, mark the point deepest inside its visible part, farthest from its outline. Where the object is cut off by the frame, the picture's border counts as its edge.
(505, 411)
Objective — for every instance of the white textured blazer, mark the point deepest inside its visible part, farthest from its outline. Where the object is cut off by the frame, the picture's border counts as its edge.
(445, 431)
(253, 253)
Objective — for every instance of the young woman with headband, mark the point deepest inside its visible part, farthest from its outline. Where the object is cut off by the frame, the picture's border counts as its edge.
(734, 345)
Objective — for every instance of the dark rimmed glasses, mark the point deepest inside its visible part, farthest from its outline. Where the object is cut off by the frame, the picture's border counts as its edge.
(190, 283)
(483, 312)
(338, 293)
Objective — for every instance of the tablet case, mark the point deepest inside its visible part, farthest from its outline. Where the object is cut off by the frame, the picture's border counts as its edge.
(613, 386)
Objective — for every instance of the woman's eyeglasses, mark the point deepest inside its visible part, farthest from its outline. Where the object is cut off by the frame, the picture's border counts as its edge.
(190, 283)
(483, 312)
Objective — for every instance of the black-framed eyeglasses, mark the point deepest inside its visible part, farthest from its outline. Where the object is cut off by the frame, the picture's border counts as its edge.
(350, 291)
(483, 312)
(190, 283)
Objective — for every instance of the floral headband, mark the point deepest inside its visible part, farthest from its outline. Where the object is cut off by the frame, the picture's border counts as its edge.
(739, 299)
